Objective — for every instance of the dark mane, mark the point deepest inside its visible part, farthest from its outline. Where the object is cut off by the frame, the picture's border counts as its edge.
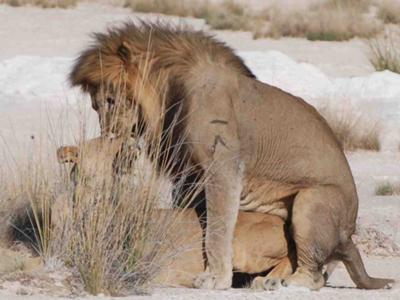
(171, 46)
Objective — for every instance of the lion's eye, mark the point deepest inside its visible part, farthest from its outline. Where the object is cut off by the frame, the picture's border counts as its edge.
(110, 100)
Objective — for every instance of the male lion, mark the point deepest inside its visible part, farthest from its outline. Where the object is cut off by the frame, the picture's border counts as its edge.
(259, 148)
(259, 244)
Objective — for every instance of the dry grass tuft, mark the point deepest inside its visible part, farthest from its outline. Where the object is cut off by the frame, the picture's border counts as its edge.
(102, 225)
(228, 15)
(384, 51)
(389, 11)
(106, 224)
(359, 5)
(283, 22)
(167, 7)
(42, 3)
(387, 189)
(334, 20)
(352, 132)
(28, 189)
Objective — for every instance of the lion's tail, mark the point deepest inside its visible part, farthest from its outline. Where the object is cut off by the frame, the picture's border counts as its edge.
(351, 258)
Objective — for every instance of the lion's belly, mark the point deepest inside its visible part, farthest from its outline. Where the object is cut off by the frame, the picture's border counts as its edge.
(265, 196)
(276, 207)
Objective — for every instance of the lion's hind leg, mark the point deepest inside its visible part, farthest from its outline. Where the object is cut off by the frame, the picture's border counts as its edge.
(316, 230)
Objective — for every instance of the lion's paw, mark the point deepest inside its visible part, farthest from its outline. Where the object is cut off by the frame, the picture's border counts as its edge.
(258, 283)
(309, 280)
(268, 284)
(272, 284)
(210, 281)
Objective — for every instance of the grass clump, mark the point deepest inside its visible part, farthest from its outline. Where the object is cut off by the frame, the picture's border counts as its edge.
(384, 52)
(284, 22)
(332, 20)
(167, 7)
(41, 3)
(324, 36)
(328, 21)
(227, 15)
(358, 5)
(387, 189)
(389, 11)
(352, 132)
(105, 226)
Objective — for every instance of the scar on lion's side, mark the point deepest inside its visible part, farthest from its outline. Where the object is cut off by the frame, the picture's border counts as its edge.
(216, 121)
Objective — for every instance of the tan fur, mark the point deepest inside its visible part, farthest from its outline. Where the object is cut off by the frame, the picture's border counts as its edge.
(262, 250)
(261, 149)
(90, 164)
(259, 243)
(67, 154)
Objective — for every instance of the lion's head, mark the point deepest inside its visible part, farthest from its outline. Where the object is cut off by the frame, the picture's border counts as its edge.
(147, 64)
(106, 74)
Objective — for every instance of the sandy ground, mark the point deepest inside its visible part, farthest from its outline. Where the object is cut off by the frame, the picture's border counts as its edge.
(62, 34)
(339, 287)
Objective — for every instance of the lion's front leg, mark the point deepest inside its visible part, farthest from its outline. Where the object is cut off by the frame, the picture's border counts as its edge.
(223, 195)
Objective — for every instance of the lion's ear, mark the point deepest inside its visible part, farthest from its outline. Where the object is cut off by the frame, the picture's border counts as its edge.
(124, 53)
(67, 154)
